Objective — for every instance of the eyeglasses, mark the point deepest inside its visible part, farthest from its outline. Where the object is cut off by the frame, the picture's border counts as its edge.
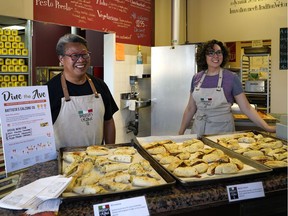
(76, 56)
(211, 53)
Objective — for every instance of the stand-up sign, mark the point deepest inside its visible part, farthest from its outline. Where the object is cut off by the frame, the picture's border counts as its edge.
(26, 126)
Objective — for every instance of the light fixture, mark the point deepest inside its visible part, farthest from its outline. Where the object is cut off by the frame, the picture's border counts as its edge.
(16, 27)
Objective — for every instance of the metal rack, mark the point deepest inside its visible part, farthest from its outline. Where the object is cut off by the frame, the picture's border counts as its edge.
(261, 99)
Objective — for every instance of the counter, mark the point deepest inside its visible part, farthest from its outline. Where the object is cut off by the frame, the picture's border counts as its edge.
(179, 200)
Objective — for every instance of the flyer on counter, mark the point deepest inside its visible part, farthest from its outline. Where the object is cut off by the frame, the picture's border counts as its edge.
(26, 127)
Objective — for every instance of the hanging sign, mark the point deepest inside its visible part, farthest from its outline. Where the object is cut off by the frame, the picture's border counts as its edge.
(26, 126)
(130, 20)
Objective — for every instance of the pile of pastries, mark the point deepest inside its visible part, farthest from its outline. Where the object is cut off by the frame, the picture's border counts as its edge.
(192, 158)
(100, 170)
(267, 150)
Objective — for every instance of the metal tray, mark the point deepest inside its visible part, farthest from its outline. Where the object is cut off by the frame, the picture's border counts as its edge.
(168, 180)
(252, 169)
(212, 140)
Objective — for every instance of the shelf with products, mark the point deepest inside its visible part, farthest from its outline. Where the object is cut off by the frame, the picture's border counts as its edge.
(256, 79)
(15, 56)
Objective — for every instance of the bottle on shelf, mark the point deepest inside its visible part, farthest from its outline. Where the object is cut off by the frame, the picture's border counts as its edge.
(139, 55)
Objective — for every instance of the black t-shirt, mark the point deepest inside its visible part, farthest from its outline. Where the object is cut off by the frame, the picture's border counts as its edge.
(56, 94)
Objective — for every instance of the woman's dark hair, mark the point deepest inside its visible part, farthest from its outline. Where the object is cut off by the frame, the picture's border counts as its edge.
(69, 38)
(204, 48)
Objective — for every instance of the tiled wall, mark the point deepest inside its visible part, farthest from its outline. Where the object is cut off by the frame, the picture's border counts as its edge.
(124, 69)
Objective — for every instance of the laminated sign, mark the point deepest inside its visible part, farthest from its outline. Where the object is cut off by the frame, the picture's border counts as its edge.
(26, 126)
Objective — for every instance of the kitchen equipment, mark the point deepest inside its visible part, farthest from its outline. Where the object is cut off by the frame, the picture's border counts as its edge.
(172, 69)
(255, 85)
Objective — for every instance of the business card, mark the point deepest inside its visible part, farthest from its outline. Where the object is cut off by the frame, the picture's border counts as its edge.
(245, 191)
(125, 207)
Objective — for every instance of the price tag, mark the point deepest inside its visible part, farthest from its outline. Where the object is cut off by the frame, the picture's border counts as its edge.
(245, 191)
(126, 207)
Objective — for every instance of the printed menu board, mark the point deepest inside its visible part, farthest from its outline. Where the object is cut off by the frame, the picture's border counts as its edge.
(26, 127)
(131, 20)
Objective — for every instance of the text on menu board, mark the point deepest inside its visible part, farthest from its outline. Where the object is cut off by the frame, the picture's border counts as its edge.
(131, 20)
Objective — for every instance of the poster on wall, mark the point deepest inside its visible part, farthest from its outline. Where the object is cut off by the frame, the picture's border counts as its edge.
(130, 20)
(283, 62)
(26, 127)
(231, 46)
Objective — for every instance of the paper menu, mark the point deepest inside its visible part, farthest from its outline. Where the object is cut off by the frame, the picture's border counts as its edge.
(32, 195)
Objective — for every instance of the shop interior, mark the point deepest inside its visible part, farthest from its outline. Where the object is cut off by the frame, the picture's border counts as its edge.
(252, 65)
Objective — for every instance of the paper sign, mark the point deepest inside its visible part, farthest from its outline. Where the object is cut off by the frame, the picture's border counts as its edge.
(120, 52)
(26, 126)
(126, 207)
(245, 191)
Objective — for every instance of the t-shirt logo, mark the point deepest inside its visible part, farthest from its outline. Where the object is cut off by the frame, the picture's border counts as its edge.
(86, 116)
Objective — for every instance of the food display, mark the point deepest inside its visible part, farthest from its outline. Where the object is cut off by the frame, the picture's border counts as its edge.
(191, 160)
(259, 147)
(98, 170)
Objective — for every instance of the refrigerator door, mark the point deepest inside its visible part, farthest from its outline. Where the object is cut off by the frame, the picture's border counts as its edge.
(172, 69)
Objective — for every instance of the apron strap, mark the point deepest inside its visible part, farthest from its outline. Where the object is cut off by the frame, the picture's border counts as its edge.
(197, 88)
(65, 89)
(92, 87)
(219, 84)
(220, 80)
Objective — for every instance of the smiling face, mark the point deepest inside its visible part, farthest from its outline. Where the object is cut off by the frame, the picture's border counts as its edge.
(75, 69)
(214, 58)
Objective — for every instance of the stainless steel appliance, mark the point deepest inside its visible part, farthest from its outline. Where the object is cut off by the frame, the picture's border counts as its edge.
(255, 86)
(172, 69)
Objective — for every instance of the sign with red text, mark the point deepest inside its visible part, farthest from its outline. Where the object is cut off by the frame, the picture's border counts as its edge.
(26, 127)
(130, 20)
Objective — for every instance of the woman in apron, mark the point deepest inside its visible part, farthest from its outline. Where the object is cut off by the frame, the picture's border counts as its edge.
(82, 106)
(213, 91)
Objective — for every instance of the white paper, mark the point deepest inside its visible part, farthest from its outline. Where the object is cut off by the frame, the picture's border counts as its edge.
(136, 206)
(132, 105)
(32, 195)
(51, 205)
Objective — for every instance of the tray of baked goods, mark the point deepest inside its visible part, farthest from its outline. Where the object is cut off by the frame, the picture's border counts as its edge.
(192, 162)
(101, 170)
(257, 146)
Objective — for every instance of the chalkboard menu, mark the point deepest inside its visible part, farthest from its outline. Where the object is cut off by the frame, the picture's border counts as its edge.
(283, 49)
(130, 20)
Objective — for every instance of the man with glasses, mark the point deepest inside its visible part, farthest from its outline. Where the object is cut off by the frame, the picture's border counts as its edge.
(82, 106)
(213, 91)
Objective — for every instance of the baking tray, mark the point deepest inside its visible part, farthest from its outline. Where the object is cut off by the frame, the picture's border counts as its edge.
(251, 168)
(166, 181)
(212, 140)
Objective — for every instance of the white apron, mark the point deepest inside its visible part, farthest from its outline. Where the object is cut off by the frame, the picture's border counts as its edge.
(80, 120)
(213, 113)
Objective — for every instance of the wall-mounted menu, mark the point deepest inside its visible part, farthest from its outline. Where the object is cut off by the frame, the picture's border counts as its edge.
(283, 63)
(130, 20)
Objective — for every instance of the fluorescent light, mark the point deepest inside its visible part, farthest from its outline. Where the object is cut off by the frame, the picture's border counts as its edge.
(15, 27)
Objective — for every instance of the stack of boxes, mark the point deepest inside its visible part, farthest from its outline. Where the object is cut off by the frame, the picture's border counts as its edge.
(12, 60)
